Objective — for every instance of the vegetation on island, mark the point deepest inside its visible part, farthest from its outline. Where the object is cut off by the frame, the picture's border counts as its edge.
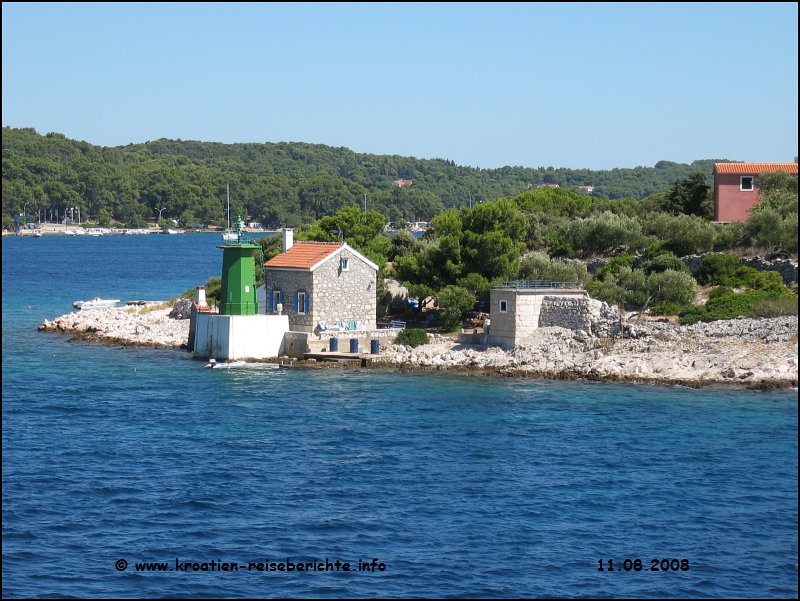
(485, 224)
(277, 184)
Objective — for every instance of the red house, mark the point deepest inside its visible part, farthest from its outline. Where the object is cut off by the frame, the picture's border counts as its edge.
(735, 191)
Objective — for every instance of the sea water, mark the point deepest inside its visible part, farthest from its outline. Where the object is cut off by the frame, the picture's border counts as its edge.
(433, 485)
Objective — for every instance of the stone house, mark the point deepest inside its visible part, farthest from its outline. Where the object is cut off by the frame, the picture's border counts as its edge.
(735, 191)
(519, 307)
(316, 283)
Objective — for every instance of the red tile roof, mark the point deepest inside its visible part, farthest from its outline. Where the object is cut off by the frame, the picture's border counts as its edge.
(304, 255)
(748, 168)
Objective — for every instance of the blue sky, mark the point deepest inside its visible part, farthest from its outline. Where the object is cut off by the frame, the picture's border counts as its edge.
(567, 85)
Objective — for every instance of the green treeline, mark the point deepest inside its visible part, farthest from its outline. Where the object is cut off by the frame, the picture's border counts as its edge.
(548, 234)
(275, 183)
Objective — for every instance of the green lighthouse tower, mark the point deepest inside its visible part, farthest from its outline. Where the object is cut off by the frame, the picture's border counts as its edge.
(239, 265)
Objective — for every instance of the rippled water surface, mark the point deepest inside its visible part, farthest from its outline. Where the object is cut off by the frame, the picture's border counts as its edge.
(459, 486)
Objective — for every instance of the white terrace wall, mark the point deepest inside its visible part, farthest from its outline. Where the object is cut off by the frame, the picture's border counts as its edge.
(239, 336)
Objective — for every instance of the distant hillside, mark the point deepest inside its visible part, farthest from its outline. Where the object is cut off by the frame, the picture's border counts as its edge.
(276, 183)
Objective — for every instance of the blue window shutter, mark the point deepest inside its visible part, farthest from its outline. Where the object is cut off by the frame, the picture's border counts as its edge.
(308, 303)
(280, 297)
(296, 302)
(271, 302)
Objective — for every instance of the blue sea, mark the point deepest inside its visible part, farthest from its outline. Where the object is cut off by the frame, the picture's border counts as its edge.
(132, 472)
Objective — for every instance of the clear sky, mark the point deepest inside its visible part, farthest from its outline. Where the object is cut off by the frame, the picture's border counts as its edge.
(567, 85)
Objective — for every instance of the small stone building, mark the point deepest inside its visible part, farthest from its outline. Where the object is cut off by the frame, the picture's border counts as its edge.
(326, 283)
(519, 307)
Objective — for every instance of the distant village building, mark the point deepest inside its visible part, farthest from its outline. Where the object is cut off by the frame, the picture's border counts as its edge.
(547, 186)
(321, 285)
(587, 189)
(735, 190)
(402, 182)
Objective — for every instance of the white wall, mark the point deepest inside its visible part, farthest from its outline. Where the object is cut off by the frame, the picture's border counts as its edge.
(240, 336)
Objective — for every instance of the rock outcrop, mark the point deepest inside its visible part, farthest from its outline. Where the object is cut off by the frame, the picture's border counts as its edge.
(756, 353)
(130, 326)
(759, 353)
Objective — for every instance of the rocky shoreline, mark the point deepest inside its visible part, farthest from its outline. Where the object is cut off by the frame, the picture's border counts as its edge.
(751, 353)
(149, 325)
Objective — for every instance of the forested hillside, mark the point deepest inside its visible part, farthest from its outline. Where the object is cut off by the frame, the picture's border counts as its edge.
(275, 183)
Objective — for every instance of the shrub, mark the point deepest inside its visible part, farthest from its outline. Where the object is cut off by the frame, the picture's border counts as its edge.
(606, 289)
(724, 303)
(666, 308)
(768, 281)
(730, 235)
(672, 286)
(768, 229)
(412, 337)
(602, 233)
(663, 262)
(476, 284)
(774, 307)
(682, 234)
(454, 301)
(538, 266)
(656, 250)
(714, 269)
(559, 247)
(614, 265)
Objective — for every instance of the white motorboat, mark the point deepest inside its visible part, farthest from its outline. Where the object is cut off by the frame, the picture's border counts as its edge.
(96, 303)
(212, 363)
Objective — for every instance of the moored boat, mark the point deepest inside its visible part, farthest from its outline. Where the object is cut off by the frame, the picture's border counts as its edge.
(212, 363)
(96, 303)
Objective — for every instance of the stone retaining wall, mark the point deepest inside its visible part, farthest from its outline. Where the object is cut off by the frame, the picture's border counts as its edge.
(299, 343)
(786, 267)
(587, 314)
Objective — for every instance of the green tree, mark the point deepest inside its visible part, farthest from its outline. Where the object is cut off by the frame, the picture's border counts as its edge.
(454, 302)
(690, 196)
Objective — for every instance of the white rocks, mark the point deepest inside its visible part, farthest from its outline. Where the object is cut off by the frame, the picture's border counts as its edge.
(137, 326)
(745, 351)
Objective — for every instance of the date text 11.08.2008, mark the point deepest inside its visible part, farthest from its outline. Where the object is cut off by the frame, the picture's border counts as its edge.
(656, 565)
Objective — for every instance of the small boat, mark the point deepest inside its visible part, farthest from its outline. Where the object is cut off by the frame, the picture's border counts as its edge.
(212, 363)
(96, 303)
(229, 235)
(38, 234)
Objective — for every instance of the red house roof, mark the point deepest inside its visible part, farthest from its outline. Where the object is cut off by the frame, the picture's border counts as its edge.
(754, 168)
(304, 255)
(403, 182)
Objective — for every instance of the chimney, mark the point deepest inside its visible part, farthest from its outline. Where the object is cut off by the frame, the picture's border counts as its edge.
(288, 239)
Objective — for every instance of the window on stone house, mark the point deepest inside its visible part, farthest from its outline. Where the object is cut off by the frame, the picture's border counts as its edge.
(345, 263)
(301, 303)
(503, 306)
(275, 299)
